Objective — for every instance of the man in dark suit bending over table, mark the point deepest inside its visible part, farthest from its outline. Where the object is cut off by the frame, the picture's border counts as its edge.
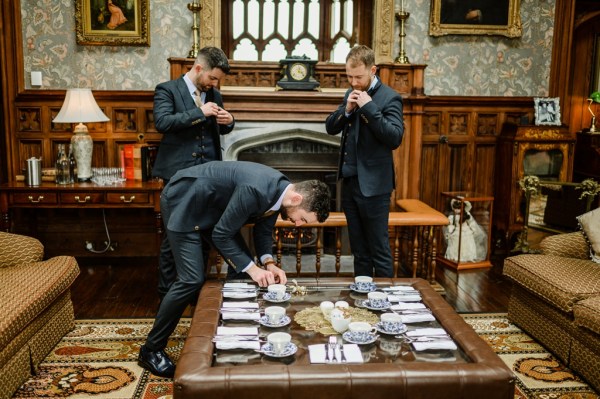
(214, 201)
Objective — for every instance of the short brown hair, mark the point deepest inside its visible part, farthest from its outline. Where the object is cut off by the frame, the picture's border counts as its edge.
(316, 197)
(361, 54)
(213, 57)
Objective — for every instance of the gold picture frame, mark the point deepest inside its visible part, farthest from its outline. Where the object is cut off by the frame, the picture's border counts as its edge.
(475, 17)
(112, 22)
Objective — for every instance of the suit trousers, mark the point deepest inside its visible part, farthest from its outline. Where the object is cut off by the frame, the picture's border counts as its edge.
(367, 219)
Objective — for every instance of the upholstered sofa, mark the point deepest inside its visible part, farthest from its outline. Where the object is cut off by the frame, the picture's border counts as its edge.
(35, 307)
(556, 299)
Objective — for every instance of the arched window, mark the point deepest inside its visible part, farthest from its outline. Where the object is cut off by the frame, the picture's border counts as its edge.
(270, 30)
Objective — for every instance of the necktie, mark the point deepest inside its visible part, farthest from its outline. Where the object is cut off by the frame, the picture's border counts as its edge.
(197, 98)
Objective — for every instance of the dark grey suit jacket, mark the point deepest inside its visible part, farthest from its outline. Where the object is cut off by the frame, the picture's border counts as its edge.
(223, 197)
(378, 128)
(181, 122)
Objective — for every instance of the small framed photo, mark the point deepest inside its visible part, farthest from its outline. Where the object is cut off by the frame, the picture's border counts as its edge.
(547, 111)
(112, 22)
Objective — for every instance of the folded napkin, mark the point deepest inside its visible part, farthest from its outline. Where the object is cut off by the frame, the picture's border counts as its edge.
(237, 344)
(417, 318)
(241, 305)
(239, 294)
(426, 332)
(351, 352)
(440, 344)
(232, 315)
(407, 306)
(222, 330)
(239, 285)
(404, 298)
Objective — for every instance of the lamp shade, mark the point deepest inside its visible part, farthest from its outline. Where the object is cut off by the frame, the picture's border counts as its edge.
(595, 96)
(80, 106)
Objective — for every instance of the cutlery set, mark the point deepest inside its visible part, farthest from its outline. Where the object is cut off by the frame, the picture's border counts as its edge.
(332, 345)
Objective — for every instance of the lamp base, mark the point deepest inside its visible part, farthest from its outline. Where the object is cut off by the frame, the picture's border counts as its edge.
(82, 145)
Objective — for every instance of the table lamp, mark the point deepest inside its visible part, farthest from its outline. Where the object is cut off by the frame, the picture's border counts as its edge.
(594, 98)
(79, 107)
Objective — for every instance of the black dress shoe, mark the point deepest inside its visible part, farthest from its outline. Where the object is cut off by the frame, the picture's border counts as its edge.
(158, 363)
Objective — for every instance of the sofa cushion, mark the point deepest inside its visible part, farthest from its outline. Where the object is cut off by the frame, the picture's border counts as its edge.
(30, 288)
(569, 245)
(558, 280)
(587, 314)
(16, 249)
(590, 224)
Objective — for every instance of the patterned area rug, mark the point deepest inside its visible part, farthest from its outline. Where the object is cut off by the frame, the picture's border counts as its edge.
(98, 360)
(539, 374)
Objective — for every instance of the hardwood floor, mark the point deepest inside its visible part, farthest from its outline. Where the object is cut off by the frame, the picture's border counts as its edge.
(126, 287)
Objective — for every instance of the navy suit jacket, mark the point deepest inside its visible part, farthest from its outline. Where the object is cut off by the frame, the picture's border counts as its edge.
(222, 197)
(378, 129)
(181, 122)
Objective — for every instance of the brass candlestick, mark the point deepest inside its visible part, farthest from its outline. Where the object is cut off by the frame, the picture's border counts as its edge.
(195, 8)
(402, 16)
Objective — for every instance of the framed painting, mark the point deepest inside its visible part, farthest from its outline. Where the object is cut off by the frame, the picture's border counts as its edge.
(547, 111)
(112, 22)
(475, 17)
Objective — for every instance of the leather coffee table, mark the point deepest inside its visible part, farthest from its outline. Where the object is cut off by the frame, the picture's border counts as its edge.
(471, 371)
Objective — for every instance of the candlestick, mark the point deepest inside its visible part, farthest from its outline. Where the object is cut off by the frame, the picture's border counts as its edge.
(195, 8)
(402, 16)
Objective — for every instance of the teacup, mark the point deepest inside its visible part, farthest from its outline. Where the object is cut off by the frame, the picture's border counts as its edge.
(391, 322)
(279, 341)
(361, 327)
(326, 308)
(276, 291)
(363, 283)
(377, 299)
(275, 314)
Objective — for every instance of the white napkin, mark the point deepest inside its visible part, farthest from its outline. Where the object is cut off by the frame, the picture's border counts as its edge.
(351, 352)
(407, 306)
(417, 318)
(241, 305)
(235, 344)
(239, 294)
(239, 285)
(404, 298)
(441, 344)
(426, 332)
(240, 315)
(222, 330)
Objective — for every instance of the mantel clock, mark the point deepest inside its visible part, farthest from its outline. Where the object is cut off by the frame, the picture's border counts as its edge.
(297, 73)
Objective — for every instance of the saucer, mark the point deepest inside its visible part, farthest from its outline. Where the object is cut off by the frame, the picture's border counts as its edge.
(285, 320)
(371, 287)
(271, 297)
(401, 329)
(289, 350)
(359, 338)
(367, 304)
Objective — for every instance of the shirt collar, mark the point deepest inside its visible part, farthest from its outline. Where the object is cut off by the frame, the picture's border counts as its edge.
(192, 88)
(277, 205)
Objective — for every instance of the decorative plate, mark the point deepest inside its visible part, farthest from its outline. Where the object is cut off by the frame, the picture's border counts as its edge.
(285, 320)
(367, 304)
(270, 297)
(400, 330)
(370, 288)
(290, 349)
(359, 338)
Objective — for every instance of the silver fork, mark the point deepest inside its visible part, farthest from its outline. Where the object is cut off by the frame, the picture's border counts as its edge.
(333, 345)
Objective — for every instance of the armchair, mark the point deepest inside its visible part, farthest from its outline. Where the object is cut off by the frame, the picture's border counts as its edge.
(35, 304)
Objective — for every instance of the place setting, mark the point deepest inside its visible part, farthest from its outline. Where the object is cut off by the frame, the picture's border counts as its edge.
(429, 339)
(277, 293)
(239, 291)
(274, 317)
(240, 310)
(335, 351)
(279, 345)
(363, 285)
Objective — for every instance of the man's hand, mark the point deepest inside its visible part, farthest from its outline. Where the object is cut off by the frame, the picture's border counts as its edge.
(263, 277)
(224, 117)
(210, 109)
(279, 274)
(351, 101)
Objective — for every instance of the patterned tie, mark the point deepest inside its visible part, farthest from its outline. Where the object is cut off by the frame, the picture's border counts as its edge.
(197, 98)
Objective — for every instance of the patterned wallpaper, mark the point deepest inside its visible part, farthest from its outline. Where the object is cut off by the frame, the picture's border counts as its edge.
(457, 65)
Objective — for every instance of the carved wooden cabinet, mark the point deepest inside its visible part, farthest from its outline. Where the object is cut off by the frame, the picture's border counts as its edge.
(543, 151)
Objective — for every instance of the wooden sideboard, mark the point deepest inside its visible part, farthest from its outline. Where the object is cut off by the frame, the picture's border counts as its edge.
(82, 196)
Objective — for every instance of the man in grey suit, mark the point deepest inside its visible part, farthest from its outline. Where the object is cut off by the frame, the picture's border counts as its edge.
(214, 201)
(370, 119)
(189, 112)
